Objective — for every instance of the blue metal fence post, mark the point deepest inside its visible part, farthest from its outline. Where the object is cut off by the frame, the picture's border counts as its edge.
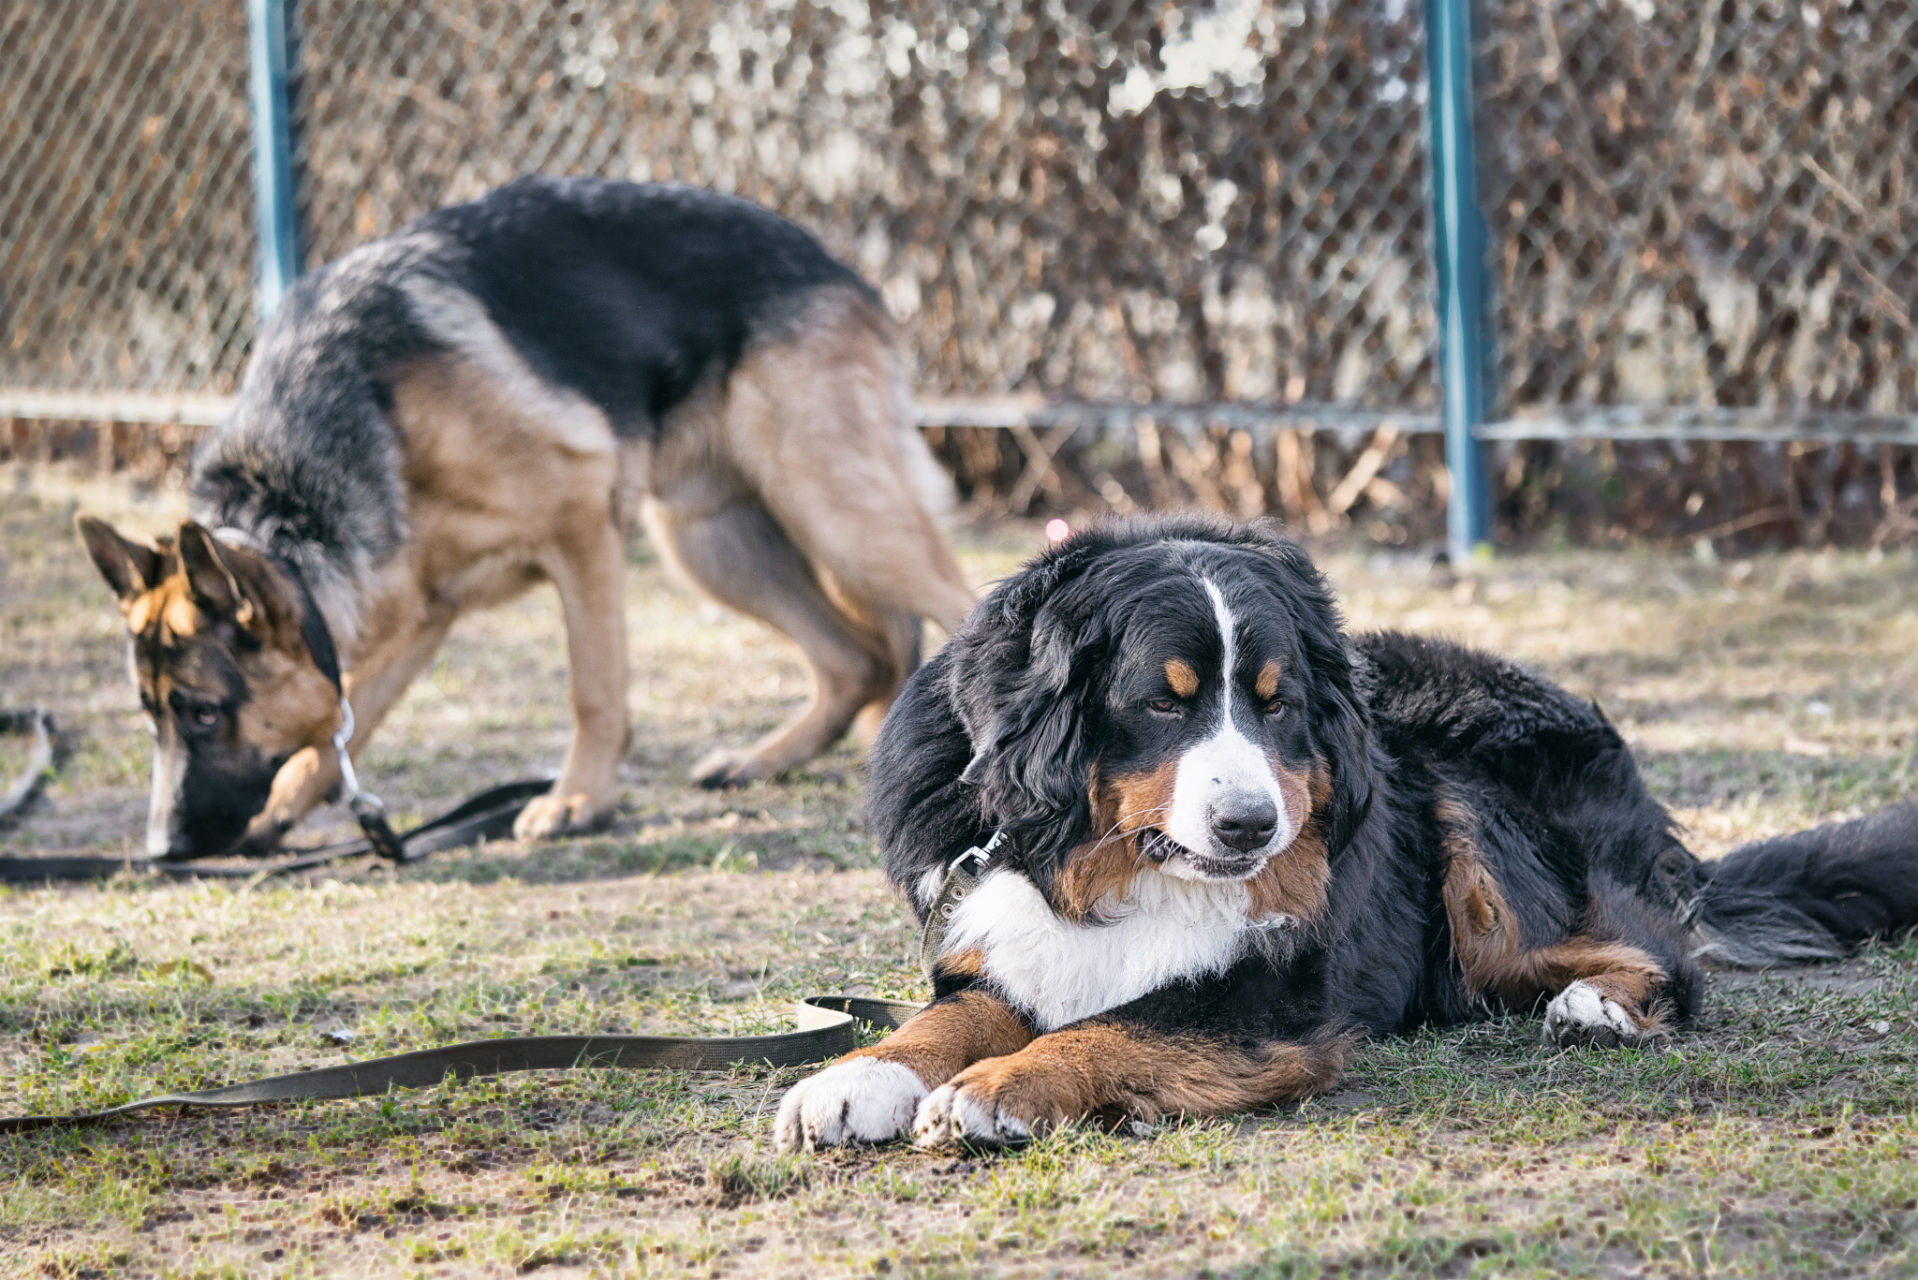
(1458, 237)
(266, 22)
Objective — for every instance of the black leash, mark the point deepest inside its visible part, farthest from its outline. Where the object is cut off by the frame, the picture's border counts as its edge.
(486, 816)
(826, 1030)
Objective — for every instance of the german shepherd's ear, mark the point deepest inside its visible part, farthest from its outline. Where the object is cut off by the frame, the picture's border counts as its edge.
(214, 586)
(130, 568)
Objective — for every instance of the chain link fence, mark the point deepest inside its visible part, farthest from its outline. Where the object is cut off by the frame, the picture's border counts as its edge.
(1704, 216)
(1693, 208)
(126, 200)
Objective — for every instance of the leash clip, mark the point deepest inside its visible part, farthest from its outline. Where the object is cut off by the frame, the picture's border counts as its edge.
(366, 806)
(981, 854)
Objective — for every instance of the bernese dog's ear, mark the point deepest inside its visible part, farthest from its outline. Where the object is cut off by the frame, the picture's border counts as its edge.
(1026, 680)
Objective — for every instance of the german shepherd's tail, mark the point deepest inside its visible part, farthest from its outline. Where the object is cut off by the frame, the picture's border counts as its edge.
(1811, 896)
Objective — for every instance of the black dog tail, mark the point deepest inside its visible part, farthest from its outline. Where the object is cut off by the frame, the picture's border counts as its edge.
(1811, 896)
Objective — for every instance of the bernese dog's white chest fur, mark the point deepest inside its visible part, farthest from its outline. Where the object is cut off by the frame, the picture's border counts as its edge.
(1056, 971)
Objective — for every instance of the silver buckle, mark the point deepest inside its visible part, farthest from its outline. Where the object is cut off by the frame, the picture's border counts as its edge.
(982, 854)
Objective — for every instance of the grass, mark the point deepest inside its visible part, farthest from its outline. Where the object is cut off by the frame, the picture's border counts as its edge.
(1776, 1137)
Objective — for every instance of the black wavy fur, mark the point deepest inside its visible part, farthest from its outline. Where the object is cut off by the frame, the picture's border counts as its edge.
(1002, 728)
(630, 294)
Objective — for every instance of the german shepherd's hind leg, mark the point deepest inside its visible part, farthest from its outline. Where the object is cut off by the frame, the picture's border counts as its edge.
(818, 423)
(588, 567)
(742, 558)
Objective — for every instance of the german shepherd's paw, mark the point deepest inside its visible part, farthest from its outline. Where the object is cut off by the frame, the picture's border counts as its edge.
(1582, 1015)
(955, 1114)
(859, 1100)
(726, 767)
(556, 815)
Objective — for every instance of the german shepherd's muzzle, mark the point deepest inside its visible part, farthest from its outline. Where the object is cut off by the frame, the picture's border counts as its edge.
(236, 674)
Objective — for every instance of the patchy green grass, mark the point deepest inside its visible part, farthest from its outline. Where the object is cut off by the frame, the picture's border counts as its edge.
(1776, 1137)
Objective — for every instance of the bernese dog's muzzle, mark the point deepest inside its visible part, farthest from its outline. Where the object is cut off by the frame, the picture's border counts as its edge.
(1227, 818)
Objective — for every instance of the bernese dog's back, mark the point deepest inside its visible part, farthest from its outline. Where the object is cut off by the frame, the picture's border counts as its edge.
(1213, 837)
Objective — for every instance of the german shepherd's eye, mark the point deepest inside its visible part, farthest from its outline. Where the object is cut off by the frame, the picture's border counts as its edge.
(196, 715)
(1165, 707)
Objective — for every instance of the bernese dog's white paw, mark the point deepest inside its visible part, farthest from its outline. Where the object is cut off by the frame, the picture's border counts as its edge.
(1581, 1014)
(952, 1115)
(859, 1100)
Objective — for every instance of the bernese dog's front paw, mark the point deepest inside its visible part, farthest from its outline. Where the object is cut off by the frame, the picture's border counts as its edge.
(858, 1100)
(1583, 1015)
(952, 1115)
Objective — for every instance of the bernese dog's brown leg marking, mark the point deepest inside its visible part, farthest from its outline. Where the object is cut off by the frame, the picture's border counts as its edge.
(872, 1094)
(951, 1034)
(1113, 1072)
(1617, 983)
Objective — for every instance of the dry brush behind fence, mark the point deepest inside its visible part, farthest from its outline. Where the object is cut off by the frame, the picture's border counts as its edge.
(1118, 204)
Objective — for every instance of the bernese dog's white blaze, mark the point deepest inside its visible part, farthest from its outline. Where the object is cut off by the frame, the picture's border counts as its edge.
(1225, 770)
(857, 1100)
(1581, 1014)
(1055, 971)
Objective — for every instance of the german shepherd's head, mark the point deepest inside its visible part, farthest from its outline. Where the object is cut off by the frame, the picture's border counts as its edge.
(236, 671)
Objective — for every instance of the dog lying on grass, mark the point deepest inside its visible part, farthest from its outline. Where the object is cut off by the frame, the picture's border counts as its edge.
(443, 418)
(1230, 836)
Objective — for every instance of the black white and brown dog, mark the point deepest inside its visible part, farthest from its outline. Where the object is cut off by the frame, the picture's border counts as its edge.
(487, 400)
(1231, 835)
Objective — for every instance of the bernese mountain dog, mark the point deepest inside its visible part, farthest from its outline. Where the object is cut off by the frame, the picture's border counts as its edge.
(1176, 839)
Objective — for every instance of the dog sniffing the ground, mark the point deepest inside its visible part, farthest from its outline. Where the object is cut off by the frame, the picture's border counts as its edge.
(1229, 836)
(484, 401)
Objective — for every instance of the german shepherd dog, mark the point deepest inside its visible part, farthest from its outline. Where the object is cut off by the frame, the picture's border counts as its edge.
(484, 401)
(1228, 834)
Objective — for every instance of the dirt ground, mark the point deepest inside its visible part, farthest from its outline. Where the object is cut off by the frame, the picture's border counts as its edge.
(1775, 1137)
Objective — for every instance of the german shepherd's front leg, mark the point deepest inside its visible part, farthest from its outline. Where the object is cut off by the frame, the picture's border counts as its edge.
(410, 636)
(588, 569)
(1113, 1070)
(872, 1094)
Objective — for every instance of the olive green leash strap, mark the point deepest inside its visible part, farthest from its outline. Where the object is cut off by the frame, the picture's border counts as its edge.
(962, 877)
(826, 1030)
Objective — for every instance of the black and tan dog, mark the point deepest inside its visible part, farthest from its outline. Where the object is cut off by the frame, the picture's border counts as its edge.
(1231, 835)
(443, 418)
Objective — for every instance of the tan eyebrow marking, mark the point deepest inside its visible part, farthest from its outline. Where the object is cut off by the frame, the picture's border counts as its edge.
(1180, 675)
(1268, 681)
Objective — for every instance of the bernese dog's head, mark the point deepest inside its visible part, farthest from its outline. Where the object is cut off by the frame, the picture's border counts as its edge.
(1169, 697)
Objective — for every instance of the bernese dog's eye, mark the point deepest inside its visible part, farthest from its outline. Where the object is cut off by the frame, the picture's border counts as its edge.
(1164, 707)
(1274, 709)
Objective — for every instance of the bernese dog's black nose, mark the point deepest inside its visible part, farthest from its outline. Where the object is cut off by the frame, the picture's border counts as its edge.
(1244, 821)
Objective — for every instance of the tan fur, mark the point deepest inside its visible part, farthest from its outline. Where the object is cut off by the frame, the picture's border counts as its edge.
(1180, 675)
(803, 459)
(788, 494)
(946, 1037)
(1485, 937)
(1268, 682)
(1294, 881)
(1112, 1071)
(1123, 807)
